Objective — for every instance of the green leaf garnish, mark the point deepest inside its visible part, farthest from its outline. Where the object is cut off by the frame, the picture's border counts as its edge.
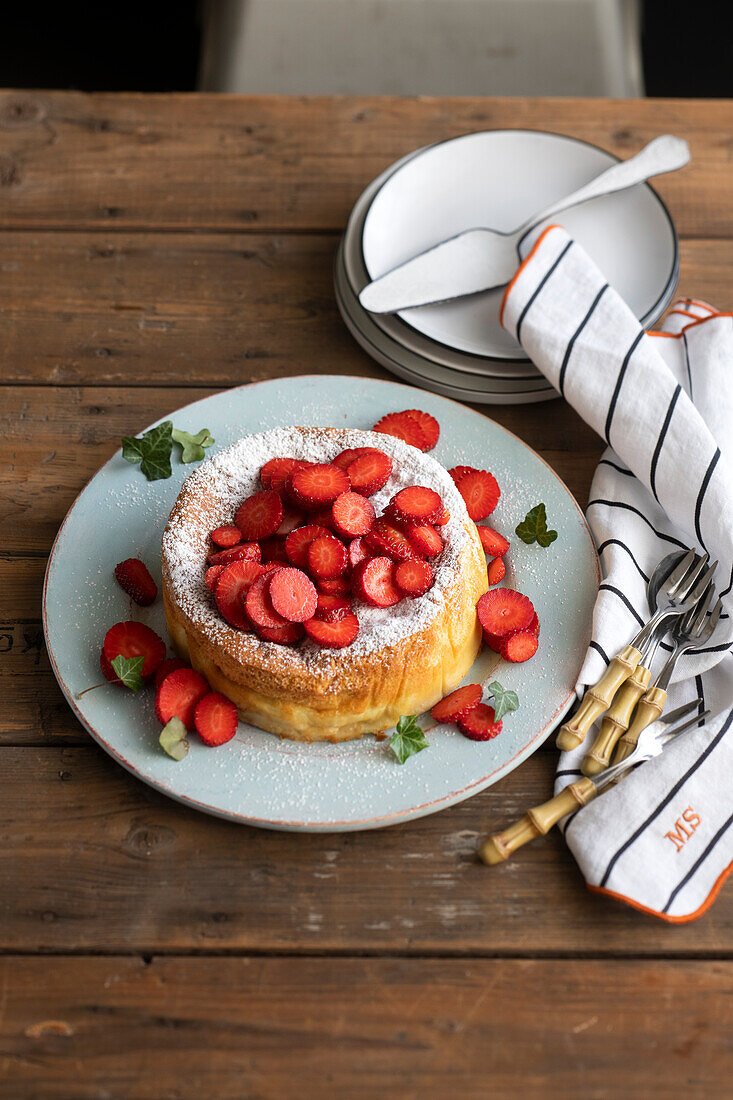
(192, 445)
(152, 450)
(173, 739)
(129, 671)
(407, 739)
(533, 527)
(504, 701)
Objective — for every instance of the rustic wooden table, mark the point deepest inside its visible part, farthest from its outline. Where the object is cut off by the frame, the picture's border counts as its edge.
(154, 249)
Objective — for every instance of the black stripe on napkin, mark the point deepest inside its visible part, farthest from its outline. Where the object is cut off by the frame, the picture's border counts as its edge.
(701, 697)
(574, 337)
(539, 286)
(727, 590)
(687, 363)
(700, 860)
(701, 494)
(599, 649)
(660, 441)
(618, 542)
(617, 592)
(630, 508)
(621, 470)
(619, 384)
(667, 799)
(568, 771)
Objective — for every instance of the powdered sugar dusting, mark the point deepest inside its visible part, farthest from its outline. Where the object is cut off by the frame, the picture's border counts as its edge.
(211, 495)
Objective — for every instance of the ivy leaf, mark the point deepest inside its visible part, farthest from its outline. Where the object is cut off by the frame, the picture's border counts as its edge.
(152, 450)
(533, 527)
(193, 446)
(504, 701)
(173, 739)
(407, 739)
(129, 671)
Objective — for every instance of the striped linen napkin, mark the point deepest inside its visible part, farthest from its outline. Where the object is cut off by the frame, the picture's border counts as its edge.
(662, 840)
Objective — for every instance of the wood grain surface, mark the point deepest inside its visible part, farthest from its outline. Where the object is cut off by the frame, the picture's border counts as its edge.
(154, 249)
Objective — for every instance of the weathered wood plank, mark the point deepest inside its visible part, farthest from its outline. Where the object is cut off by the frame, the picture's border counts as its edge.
(230, 162)
(118, 1028)
(207, 310)
(91, 859)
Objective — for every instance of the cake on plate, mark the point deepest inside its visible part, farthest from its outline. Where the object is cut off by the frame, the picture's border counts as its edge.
(315, 630)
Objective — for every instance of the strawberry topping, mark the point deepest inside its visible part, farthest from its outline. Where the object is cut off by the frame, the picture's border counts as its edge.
(414, 578)
(374, 582)
(212, 576)
(403, 426)
(494, 544)
(170, 664)
(519, 647)
(333, 635)
(134, 578)
(327, 557)
(480, 723)
(273, 549)
(503, 611)
(298, 541)
(358, 551)
(133, 639)
(260, 515)
(345, 458)
(248, 551)
(425, 539)
(369, 472)
(276, 473)
(353, 515)
(292, 518)
(442, 518)
(293, 595)
(258, 604)
(495, 570)
(458, 703)
(416, 504)
(429, 425)
(314, 486)
(231, 589)
(385, 538)
(333, 586)
(226, 536)
(481, 493)
(178, 695)
(287, 634)
(331, 608)
(215, 718)
(457, 472)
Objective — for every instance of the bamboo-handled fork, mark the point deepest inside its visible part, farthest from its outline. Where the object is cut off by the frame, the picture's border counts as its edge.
(677, 595)
(539, 821)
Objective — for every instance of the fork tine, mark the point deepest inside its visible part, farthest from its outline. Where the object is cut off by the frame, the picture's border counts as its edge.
(699, 588)
(713, 620)
(687, 582)
(669, 735)
(694, 620)
(680, 571)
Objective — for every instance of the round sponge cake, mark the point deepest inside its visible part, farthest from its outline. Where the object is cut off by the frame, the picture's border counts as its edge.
(405, 658)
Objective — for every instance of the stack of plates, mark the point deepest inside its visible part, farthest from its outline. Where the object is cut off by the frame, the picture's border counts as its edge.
(496, 178)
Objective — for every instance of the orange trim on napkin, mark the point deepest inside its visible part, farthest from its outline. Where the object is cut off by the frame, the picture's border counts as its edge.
(655, 912)
(692, 324)
(521, 267)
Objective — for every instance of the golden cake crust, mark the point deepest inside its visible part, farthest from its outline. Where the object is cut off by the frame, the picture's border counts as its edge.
(405, 662)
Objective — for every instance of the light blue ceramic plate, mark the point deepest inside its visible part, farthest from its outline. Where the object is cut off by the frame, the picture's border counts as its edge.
(257, 778)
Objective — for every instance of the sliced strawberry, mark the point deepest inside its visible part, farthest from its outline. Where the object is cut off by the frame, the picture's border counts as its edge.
(287, 634)
(260, 515)
(457, 472)
(333, 586)
(494, 544)
(534, 626)
(248, 551)
(353, 515)
(369, 472)
(429, 425)
(170, 664)
(322, 517)
(416, 504)
(331, 608)
(215, 718)
(276, 473)
(134, 578)
(226, 536)
(403, 426)
(385, 538)
(258, 604)
(298, 541)
(480, 723)
(212, 576)
(333, 635)
(320, 484)
(345, 458)
(293, 594)
(178, 695)
(327, 557)
(495, 570)
(231, 589)
(292, 518)
(374, 582)
(132, 639)
(458, 703)
(442, 518)
(493, 641)
(359, 551)
(519, 647)
(425, 539)
(107, 671)
(414, 578)
(273, 549)
(504, 611)
(480, 492)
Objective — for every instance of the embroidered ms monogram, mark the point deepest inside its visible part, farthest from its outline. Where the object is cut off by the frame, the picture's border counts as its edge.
(684, 827)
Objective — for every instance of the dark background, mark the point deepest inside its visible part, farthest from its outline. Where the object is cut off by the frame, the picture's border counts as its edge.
(155, 48)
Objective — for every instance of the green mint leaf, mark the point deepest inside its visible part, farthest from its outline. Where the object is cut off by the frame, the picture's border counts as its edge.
(533, 527)
(152, 450)
(129, 671)
(192, 446)
(504, 701)
(173, 739)
(407, 739)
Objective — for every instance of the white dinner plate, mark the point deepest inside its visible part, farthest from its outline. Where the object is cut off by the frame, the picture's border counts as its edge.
(498, 178)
